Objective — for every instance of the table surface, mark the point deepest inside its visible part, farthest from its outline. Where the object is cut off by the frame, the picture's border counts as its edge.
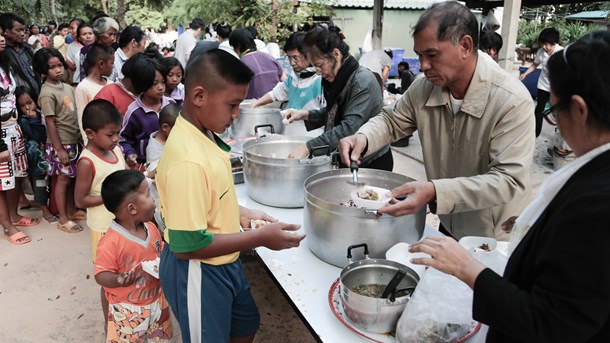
(304, 278)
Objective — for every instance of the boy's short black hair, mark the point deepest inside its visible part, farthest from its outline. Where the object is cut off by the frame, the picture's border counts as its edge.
(169, 113)
(169, 63)
(404, 64)
(144, 71)
(63, 26)
(99, 113)
(99, 52)
(491, 40)
(214, 66)
(40, 61)
(196, 24)
(549, 35)
(118, 186)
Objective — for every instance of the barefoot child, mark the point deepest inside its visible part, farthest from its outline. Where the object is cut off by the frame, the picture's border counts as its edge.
(202, 216)
(138, 311)
(142, 116)
(35, 136)
(101, 60)
(101, 157)
(64, 141)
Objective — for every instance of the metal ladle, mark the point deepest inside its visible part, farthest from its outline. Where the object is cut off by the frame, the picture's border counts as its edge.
(353, 167)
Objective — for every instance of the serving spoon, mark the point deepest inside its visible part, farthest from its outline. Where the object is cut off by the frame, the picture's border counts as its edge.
(353, 167)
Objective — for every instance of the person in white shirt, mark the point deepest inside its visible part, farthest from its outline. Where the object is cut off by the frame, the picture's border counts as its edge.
(548, 39)
(187, 41)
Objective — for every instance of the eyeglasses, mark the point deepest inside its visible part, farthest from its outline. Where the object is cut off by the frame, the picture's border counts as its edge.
(321, 65)
(295, 58)
(553, 109)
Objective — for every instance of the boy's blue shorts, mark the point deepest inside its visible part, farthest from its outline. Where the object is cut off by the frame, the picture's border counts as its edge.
(211, 303)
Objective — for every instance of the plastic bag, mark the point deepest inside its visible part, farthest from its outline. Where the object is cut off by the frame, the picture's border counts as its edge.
(440, 309)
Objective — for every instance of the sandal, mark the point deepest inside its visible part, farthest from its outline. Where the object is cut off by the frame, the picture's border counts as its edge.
(69, 227)
(18, 238)
(25, 221)
(78, 215)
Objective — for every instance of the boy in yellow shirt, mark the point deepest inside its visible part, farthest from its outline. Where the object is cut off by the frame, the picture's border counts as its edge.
(201, 213)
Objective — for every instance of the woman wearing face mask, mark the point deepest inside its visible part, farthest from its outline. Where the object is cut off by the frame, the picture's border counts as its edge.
(351, 92)
(556, 286)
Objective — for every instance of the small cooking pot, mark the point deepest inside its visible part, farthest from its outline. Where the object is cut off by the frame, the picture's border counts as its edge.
(371, 312)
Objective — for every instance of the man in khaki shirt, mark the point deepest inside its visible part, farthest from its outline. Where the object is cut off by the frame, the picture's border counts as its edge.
(475, 125)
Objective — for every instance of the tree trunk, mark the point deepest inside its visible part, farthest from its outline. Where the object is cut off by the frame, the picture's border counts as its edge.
(274, 14)
(53, 13)
(120, 13)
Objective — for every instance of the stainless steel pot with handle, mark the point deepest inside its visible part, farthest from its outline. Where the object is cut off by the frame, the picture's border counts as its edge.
(331, 227)
(274, 179)
(249, 118)
(361, 283)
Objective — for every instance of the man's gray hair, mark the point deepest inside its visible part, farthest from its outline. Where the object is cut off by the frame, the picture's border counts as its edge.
(454, 21)
(103, 24)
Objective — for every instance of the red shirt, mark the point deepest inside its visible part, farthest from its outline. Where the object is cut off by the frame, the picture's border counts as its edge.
(117, 95)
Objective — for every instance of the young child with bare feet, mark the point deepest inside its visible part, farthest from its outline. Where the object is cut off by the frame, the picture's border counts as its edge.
(138, 310)
(35, 135)
(64, 141)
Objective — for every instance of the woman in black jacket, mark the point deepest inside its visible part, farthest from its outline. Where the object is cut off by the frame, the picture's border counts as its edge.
(556, 286)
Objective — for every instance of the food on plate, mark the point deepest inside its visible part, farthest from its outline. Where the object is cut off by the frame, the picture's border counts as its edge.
(258, 223)
(156, 268)
(485, 247)
(368, 194)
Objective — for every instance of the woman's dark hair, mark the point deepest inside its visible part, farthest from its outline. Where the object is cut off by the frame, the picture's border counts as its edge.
(454, 21)
(325, 40)
(145, 71)
(31, 27)
(242, 40)
(129, 65)
(40, 62)
(295, 42)
(80, 27)
(129, 33)
(118, 186)
(582, 69)
(19, 91)
(549, 35)
(223, 30)
(169, 63)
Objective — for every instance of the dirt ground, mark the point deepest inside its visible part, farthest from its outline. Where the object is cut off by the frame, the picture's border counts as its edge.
(48, 293)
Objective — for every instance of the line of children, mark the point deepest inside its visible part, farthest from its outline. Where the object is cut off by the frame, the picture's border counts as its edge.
(100, 60)
(35, 135)
(64, 141)
(138, 310)
(142, 116)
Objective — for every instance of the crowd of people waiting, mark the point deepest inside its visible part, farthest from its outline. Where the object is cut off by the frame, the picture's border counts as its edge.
(85, 124)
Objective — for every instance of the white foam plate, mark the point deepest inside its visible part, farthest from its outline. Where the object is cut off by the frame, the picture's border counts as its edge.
(152, 267)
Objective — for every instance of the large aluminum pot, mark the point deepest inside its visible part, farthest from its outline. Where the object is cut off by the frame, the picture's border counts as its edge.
(274, 179)
(369, 312)
(332, 227)
(249, 118)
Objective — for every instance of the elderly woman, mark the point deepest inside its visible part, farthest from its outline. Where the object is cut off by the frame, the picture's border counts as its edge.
(556, 287)
(105, 30)
(351, 92)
